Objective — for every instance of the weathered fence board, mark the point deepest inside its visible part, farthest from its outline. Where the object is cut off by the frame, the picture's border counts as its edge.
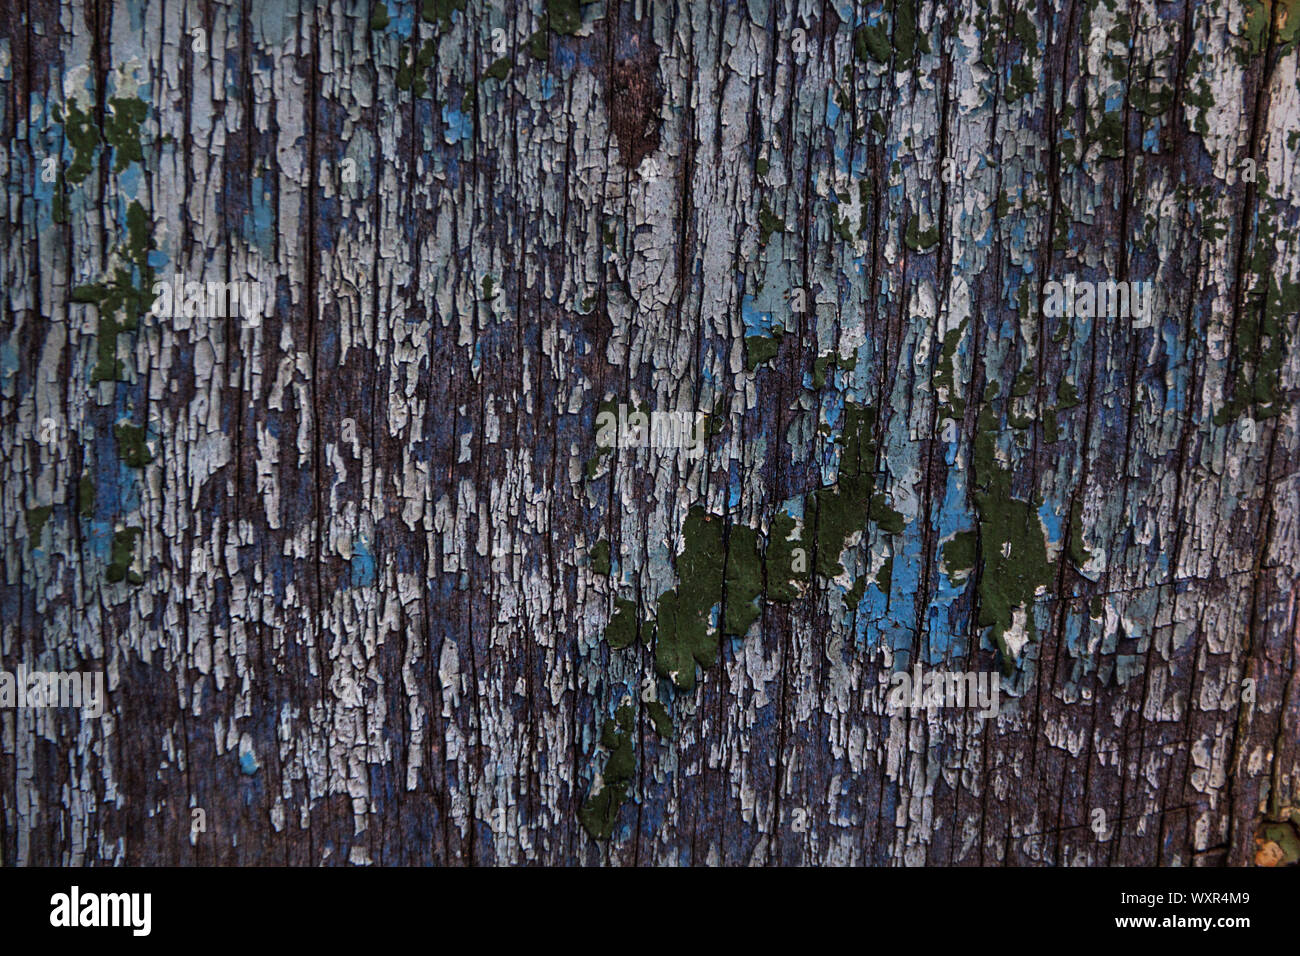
(367, 587)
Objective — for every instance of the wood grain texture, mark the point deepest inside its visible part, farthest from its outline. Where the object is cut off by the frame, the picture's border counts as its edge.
(360, 621)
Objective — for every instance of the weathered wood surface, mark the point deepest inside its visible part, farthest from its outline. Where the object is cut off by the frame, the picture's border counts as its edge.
(360, 621)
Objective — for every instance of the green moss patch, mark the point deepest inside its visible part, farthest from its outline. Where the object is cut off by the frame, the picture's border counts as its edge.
(600, 811)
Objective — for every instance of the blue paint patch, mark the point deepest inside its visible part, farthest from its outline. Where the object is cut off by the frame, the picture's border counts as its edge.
(756, 322)
(129, 180)
(1052, 522)
(258, 222)
(100, 537)
(399, 24)
(1074, 633)
(363, 564)
(8, 361)
(1151, 138)
(458, 125)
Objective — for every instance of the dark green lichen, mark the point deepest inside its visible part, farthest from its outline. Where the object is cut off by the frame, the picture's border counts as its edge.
(86, 496)
(889, 520)
(744, 580)
(916, 239)
(842, 509)
(1012, 545)
(565, 16)
(768, 222)
(825, 362)
(685, 634)
(1259, 340)
(1066, 395)
(600, 811)
(621, 631)
(1051, 429)
(440, 11)
(122, 130)
(412, 67)
(1108, 133)
(36, 518)
(786, 560)
(885, 576)
(123, 299)
(131, 444)
(761, 348)
(660, 719)
(718, 566)
(600, 558)
(960, 553)
(908, 38)
(538, 47)
(500, 68)
(1024, 382)
(82, 133)
(122, 555)
(1024, 72)
(871, 42)
(954, 406)
(592, 465)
